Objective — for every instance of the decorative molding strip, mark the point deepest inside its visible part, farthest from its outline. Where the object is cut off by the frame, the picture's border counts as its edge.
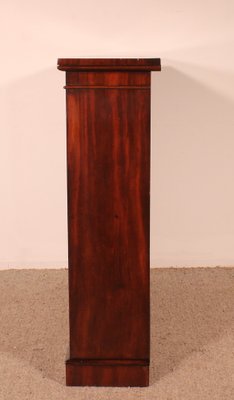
(109, 362)
(105, 87)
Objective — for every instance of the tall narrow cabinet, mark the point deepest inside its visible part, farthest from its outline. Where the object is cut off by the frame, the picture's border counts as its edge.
(108, 188)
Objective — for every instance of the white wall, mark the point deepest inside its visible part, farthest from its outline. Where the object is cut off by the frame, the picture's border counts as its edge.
(192, 215)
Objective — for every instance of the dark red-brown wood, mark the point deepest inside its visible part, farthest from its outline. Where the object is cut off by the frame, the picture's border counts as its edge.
(108, 158)
(108, 64)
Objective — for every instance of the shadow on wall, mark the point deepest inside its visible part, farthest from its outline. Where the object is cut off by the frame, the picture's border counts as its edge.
(35, 141)
(190, 308)
(192, 169)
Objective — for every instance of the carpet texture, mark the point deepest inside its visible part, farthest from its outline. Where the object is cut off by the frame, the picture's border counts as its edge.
(192, 337)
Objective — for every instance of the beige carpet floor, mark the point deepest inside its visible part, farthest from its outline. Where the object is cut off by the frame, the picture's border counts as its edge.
(192, 350)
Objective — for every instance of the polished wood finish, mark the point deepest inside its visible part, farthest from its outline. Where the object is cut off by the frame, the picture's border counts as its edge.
(111, 374)
(112, 78)
(108, 158)
(108, 64)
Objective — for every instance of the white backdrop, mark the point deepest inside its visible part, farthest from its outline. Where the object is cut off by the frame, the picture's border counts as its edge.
(192, 193)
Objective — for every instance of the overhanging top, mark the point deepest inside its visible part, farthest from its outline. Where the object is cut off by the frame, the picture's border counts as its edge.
(109, 64)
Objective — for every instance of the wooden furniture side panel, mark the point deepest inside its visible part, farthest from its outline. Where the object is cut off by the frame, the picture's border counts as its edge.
(108, 152)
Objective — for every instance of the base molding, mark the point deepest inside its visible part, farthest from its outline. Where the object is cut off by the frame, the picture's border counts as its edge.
(84, 372)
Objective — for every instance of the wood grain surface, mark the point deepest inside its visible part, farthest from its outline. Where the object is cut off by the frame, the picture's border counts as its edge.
(108, 64)
(108, 197)
(108, 158)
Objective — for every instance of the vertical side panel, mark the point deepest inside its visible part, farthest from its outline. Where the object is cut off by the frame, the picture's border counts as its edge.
(108, 150)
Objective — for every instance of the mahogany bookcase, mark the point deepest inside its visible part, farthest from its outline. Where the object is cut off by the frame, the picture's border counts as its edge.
(108, 187)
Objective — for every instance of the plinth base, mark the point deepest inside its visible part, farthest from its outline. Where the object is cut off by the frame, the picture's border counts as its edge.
(107, 372)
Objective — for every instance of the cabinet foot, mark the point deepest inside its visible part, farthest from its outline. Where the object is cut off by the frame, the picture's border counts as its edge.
(107, 372)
